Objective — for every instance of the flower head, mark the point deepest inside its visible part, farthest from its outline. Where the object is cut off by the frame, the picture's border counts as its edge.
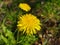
(29, 24)
(24, 6)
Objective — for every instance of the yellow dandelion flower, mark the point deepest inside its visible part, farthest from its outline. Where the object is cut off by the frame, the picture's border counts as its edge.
(29, 24)
(24, 6)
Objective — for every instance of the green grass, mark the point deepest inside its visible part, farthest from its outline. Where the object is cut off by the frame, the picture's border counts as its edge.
(48, 11)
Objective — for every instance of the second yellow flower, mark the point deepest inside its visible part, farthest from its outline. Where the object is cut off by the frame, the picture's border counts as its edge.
(25, 7)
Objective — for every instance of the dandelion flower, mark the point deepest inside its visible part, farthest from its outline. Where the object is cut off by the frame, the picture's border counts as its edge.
(29, 24)
(25, 7)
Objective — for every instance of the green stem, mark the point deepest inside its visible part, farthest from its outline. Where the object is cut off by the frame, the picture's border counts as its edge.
(17, 36)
